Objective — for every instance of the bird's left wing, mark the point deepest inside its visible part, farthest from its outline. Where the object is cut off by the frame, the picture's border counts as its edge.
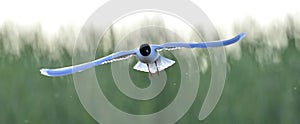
(178, 45)
(78, 68)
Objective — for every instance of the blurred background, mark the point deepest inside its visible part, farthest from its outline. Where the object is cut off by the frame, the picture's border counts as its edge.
(263, 70)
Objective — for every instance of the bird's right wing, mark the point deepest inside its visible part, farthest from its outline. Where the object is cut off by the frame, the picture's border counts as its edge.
(78, 68)
(178, 45)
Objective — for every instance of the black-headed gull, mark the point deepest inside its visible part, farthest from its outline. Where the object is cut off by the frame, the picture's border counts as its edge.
(149, 58)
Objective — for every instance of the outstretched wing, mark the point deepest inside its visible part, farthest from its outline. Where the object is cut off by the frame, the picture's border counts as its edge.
(178, 45)
(77, 68)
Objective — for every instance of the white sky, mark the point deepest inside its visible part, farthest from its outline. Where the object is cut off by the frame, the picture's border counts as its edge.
(221, 11)
(54, 13)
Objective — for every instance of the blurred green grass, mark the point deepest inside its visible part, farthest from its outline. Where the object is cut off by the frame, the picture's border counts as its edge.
(253, 93)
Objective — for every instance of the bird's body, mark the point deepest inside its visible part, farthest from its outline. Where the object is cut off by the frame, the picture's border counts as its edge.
(149, 58)
(147, 54)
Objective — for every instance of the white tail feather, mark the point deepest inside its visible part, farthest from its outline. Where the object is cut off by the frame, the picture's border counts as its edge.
(162, 63)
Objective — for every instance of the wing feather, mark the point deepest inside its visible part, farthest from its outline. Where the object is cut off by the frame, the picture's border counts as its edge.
(179, 45)
(81, 67)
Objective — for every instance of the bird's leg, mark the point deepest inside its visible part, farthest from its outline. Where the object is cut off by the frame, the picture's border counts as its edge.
(149, 70)
(156, 68)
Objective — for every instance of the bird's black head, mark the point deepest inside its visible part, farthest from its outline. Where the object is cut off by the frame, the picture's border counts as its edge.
(145, 49)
